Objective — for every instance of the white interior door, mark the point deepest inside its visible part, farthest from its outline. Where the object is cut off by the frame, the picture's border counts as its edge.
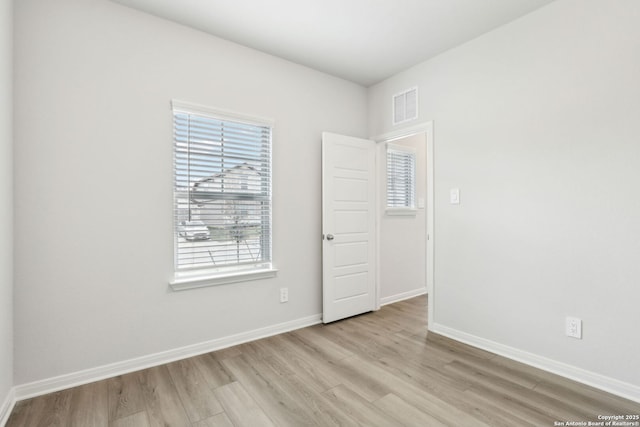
(348, 226)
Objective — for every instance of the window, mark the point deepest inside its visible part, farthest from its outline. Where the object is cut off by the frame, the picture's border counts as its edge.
(222, 196)
(401, 178)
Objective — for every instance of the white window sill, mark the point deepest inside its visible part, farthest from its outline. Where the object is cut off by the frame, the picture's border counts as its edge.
(401, 211)
(185, 281)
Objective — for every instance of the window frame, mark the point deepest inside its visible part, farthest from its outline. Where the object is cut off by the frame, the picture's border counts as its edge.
(196, 277)
(408, 209)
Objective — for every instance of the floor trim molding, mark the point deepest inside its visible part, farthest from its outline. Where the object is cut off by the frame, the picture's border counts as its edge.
(50, 385)
(611, 385)
(7, 406)
(403, 296)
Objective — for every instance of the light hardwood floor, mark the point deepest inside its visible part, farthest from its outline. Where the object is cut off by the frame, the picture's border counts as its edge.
(377, 369)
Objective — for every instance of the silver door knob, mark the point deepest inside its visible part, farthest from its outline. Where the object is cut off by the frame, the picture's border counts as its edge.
(330, 237)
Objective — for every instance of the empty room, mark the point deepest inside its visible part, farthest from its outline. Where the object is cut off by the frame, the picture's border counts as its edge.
(339, 212)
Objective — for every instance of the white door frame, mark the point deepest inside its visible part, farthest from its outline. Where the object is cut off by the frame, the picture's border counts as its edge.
(427, 130)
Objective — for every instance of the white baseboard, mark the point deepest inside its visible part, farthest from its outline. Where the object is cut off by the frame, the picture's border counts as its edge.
(38, 388)
(402, 296)
(7, 407)
(611, 385)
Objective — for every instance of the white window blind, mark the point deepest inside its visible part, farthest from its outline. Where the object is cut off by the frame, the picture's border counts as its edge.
(222, 191)
(401, 176)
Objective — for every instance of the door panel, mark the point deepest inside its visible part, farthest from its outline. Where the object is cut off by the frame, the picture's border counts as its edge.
(350, 189)
(350, 286)
(351, 254)
(348, 221)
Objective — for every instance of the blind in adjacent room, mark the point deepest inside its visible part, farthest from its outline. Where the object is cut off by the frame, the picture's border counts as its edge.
(222, 191)
(401, 176)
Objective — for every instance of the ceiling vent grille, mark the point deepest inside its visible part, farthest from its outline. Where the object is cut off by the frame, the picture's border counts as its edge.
(405, 106)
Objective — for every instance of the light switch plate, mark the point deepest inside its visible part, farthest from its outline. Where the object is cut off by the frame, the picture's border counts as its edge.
(573, 327)
(454, 196)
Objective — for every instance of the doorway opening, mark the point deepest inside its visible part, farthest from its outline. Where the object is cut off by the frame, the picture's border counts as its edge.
(406, 242)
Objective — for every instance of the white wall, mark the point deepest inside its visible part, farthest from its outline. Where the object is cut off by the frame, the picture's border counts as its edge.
(6, 199)
(403, 238)
(93, 172)
(537, 124)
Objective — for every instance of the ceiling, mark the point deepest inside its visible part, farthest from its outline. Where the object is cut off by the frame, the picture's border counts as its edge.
(364, 41)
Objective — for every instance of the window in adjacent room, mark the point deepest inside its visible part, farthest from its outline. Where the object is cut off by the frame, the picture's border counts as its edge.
(401, 179)
(222, 197)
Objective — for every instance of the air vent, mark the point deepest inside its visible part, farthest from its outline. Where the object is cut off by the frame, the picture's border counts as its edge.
(405, 106)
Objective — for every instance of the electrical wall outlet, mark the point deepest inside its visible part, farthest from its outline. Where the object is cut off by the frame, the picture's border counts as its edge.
(573, 327)
(284, 294)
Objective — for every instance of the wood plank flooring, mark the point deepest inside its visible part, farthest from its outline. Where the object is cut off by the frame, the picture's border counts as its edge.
(377, 369)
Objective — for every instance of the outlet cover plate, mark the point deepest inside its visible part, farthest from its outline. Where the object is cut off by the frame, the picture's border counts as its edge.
(284, 294)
